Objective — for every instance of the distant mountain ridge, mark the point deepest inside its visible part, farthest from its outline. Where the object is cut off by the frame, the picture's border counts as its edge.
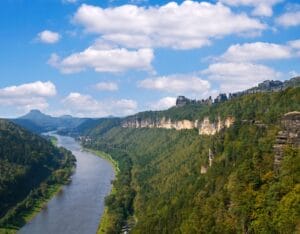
(38, 122)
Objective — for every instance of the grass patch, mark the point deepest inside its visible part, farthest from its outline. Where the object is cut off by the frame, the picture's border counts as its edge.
(104, 222)
(53, 140)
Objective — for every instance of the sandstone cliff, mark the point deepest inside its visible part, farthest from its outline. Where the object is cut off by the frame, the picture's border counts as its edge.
(204, 126)
(289, 136)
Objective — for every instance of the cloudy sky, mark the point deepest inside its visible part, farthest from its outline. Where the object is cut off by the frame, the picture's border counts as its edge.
(116, 57)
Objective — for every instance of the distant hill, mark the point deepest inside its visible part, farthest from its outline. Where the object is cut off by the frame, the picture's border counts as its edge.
(38, 122)
(28, 165)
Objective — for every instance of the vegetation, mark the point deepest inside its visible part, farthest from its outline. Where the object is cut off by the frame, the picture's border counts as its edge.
(31, 170)
(160, 182)
(267, 107)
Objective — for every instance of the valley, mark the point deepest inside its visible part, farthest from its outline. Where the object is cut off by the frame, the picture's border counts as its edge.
(78, 206)
(225, 167)
(150, 117)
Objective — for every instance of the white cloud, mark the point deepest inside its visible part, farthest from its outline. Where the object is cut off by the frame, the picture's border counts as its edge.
(27, 96)
(295, 44)
(163, 103)
(289, 19)
(48, 37)
(104, 60)
(188, 25)
(177, 84)
(250, 52)
(84, 105)
(235, 76)
(38, 88)
(107, 86)
(261, 7)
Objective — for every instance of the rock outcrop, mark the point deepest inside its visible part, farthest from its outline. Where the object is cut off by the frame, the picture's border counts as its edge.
(205, 127)
(159, 123)
(288, 136)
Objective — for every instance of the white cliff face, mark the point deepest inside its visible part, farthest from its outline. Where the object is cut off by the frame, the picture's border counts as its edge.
(205, 126)
(208, 128)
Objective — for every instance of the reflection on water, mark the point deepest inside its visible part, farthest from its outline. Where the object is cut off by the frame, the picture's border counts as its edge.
(77, 208)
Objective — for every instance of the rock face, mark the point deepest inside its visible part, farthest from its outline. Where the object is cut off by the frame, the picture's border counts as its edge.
(208, 128)
(290, 135)
(160, 123)
(266, 86)
(182, 101)
(205, 127)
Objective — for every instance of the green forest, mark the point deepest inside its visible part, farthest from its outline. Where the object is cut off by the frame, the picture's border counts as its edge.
(30, 167)
(160, 187)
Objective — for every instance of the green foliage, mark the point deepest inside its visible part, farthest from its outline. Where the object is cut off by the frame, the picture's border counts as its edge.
(266, 107)
(161, 184)
(29, 165)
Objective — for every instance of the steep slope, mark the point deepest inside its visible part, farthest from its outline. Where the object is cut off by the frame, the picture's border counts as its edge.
(92, 126)
(180, 182)
(28, 165)
(29, 125)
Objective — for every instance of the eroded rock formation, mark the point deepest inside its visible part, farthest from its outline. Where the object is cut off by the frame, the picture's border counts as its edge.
(204, 126)
(289, 135)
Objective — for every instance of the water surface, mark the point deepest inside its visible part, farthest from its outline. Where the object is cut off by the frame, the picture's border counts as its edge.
(78, 207)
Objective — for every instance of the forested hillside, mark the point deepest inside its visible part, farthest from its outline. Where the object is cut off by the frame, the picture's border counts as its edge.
(29, 164)
(166, 183)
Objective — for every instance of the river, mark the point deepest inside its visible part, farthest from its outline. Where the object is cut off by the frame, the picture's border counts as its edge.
(78, 207)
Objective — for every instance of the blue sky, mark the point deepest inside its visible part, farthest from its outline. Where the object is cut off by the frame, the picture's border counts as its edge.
(98, 58)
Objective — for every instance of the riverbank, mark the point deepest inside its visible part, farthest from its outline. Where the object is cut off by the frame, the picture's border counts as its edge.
(37, 199)
(104, 223)
(35, 206)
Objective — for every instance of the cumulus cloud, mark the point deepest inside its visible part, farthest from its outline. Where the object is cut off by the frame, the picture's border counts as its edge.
(250, 52)
(163, 103)
(104, 60)
(177, 84)
(48, 37)
(187, 25)
(295, 45)
(261, 7)
(38, 88)
(289, 19)
(237, 76)
(260, 51)
(27, 96)
(107, 86)
(84, 105)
